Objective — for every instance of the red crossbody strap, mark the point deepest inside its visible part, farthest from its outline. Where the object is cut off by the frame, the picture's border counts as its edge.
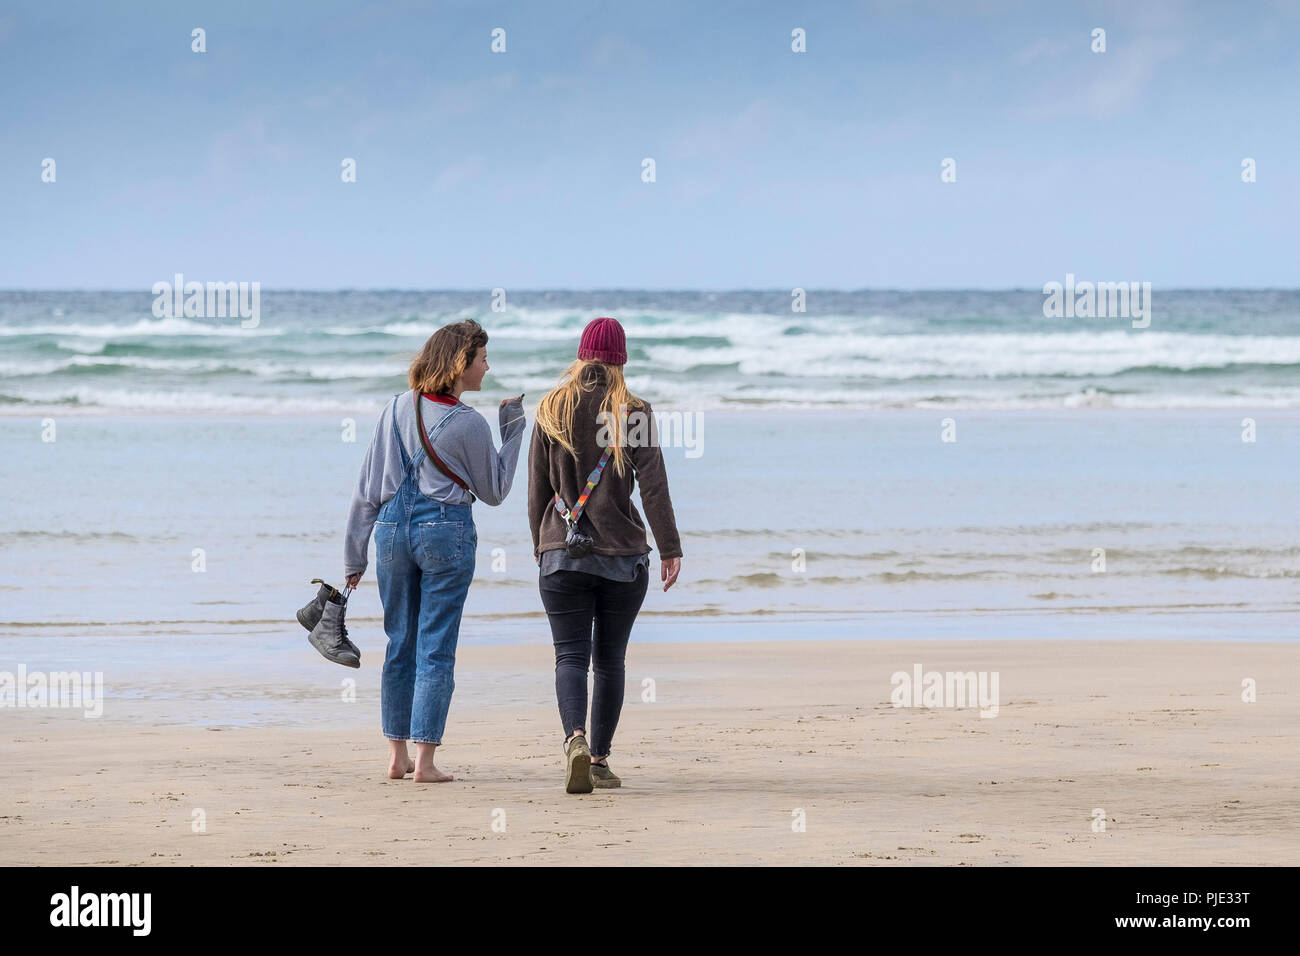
(428, 447)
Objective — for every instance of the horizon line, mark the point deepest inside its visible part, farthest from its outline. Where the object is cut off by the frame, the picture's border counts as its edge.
(611, 289)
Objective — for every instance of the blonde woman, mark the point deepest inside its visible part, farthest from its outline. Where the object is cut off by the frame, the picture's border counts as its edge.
(416, 488)
(592, 600)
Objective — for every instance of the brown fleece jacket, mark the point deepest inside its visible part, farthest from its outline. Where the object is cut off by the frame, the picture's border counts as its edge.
(610, 517)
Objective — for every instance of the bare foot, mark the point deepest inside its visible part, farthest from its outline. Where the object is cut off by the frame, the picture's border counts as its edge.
(398, 770)
(431, 775)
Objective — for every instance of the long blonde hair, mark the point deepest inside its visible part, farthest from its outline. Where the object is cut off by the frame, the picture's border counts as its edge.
(555, 412)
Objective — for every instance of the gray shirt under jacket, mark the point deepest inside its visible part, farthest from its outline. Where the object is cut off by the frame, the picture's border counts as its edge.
(465, 445)
(615, 567)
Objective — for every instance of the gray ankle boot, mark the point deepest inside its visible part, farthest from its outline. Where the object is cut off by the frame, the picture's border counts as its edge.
(330, 637)
(309, 614)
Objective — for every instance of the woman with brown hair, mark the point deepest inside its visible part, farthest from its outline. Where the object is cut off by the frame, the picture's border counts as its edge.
(430, 456)
(589, 540)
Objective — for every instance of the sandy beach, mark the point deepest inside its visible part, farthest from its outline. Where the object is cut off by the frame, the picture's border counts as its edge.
(740, 738)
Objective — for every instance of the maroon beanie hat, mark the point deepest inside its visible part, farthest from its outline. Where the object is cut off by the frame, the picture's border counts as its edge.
(603, 340)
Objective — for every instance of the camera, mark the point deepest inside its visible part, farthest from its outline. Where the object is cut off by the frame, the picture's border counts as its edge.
(577, 544)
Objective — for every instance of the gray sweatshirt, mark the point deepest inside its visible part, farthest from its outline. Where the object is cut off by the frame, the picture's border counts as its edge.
(465, 446)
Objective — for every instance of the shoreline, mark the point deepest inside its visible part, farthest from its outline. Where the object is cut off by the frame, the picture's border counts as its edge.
(268, 680)
(531, 620)
(739, 741)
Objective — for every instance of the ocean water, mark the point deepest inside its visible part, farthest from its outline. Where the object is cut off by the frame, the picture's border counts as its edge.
(199, 476)
(343, 351)
(795, 523)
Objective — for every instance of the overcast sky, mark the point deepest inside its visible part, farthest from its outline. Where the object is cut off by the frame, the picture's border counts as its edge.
(523, 169)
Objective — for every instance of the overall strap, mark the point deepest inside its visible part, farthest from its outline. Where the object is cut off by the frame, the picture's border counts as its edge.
(571, 517)
(409, 463)
(397, 437)
(427, 441)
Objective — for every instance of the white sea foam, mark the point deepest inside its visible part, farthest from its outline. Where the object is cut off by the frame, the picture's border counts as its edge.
(263, 368)
(138, 329)
(182, 402)
(687, 359)
(983, 355)
(564, 324)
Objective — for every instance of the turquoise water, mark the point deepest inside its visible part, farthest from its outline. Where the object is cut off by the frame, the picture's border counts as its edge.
(340, 352)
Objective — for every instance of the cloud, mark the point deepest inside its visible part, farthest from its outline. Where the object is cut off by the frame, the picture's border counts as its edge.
(561, 81)
(431, 105)
(1124, 84)
(1045, 48)
(729, 135)
(237, 150)
(458, 174)
(475, 96)
(1100, 84)
(616, 52)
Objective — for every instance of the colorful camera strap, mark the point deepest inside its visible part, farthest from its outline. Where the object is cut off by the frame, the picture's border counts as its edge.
(571, 517)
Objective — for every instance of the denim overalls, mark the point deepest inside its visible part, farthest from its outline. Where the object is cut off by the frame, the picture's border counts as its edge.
(424, 551)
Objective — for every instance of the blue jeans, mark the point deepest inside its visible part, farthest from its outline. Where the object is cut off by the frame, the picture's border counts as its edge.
(424, 553)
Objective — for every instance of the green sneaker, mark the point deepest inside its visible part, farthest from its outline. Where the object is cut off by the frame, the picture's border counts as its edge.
(577, 774)
(604, 777)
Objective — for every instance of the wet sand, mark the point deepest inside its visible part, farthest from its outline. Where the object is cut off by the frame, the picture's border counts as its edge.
(742, 742)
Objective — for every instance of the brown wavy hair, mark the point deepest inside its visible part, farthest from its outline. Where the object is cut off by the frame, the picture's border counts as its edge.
(446, 354)
(555, 412)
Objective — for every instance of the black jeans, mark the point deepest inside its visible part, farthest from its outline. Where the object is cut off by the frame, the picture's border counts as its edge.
(591, 620)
